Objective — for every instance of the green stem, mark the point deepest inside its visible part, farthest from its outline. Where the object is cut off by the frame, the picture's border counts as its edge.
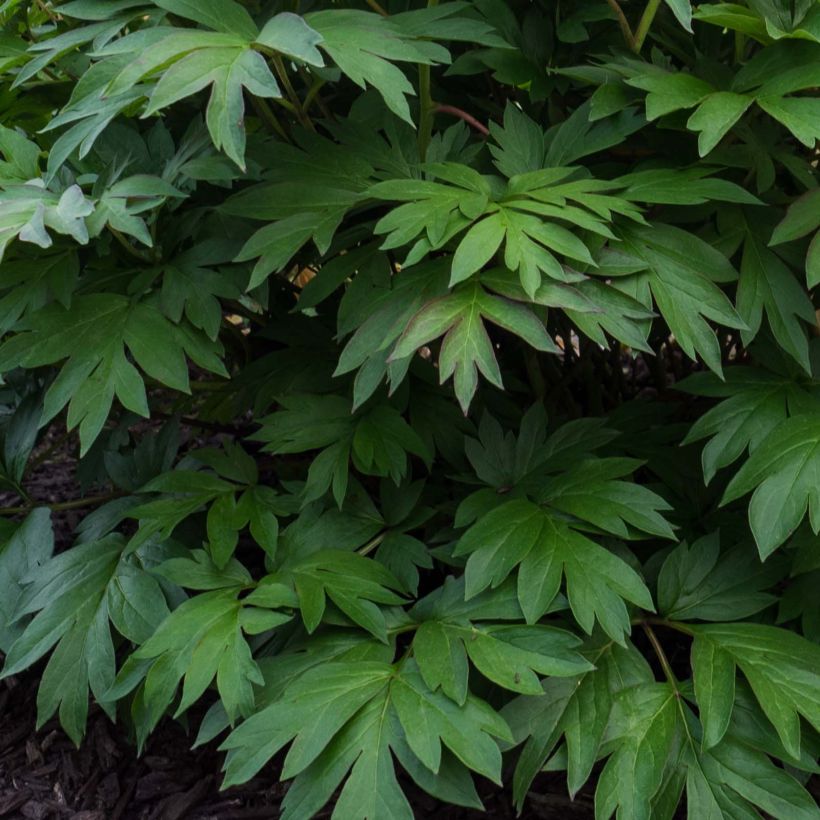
(645, 24)
(427, 106)
(372, 544)
(426, 112)
(267, 116)
(282, 73)
(135, 252)
(684, 629)
(740, 46)
(661, 655)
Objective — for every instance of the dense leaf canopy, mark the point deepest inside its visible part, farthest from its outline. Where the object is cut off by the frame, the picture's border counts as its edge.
(443, 378)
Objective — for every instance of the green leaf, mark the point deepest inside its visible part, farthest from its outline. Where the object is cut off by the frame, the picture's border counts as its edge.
(767, 284)
(715, 116)
(700, 582)
(592, 492)
(713, 670)
(738, 774)
(801, 115)
(668, 92)
(290, 34)
(25, 548)
(682, 9)
(546, 548)
(682, 274)
(220, 15)
(364, 46)
(779, 665)
(756, 402)
(508, 656)
(477, 247)
(93, 336)
(782, 472)
(343, 719)
(644, 724)
(802, 218)
(201, 640)
(74, 595)
(688, 186)
(229, 70)
(355, 584)
(577, 709)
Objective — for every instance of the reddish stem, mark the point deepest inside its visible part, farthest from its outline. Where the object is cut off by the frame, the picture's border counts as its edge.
(463, 115)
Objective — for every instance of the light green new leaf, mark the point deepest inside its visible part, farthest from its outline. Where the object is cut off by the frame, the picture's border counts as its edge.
(290, 34)
(784, 472)
(545, 549)
(466, 349)
(27, 209)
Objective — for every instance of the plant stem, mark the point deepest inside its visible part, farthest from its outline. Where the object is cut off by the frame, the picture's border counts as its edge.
(740, 46)
(74, 504)
(655, 621)
(626, 29)
(661, 655)
(135, 252)
(463, 115)
(377, 8)
(426, 112)
(267, 116)
(372, 544)
(282, 73)
(645, 24)
(427, 106)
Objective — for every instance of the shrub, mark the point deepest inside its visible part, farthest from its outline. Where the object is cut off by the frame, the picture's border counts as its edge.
(445, 378)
